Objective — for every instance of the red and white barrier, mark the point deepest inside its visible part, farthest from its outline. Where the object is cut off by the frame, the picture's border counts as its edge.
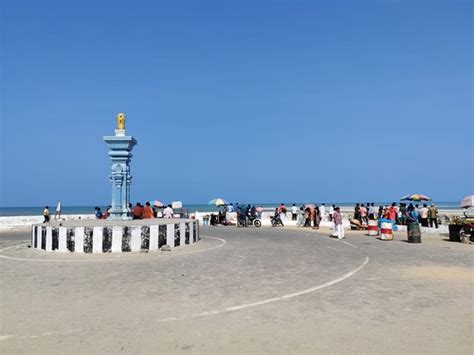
(386, 231)
(372, 228)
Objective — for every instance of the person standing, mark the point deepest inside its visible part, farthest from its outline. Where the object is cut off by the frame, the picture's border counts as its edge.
(433, 215)
(46, 214)
(417, 209)
(338, 229)
(372, 211)
(322, 211)
(300, 218)
(294, 212)
(380, 214)
(392, 212)
(317, 218)
(363, 214)
(424, 215)
(57, 215)
(331, 212)
(357, 212)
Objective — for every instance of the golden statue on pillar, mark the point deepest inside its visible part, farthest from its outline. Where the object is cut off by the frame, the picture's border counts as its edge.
(121, 120)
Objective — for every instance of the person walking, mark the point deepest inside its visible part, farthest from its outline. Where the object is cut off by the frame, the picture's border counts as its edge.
(338, 229)
(424, 215)
(294, 212)
(46, 214)
(433, 215)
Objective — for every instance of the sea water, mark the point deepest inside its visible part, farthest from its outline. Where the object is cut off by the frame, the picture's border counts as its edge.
(33, 211)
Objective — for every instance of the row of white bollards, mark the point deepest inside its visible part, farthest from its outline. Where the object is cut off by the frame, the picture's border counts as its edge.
(117, 237)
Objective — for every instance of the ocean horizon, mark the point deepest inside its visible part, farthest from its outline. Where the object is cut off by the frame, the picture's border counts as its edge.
(38, 210)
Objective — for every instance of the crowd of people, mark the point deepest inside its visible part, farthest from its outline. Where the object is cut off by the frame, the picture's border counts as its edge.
(402, 215)
(140, 212)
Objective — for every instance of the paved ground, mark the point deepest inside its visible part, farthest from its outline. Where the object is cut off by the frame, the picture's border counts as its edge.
(248, 291)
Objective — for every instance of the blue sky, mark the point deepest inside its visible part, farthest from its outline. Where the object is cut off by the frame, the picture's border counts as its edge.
(262, 101)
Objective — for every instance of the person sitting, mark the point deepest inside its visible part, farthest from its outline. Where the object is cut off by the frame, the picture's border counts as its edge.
(137, 211)
(98, 213)
(277, 217)
(168, 212)
(213, 219)
(107, 213)
(148, 211)
(222, 217)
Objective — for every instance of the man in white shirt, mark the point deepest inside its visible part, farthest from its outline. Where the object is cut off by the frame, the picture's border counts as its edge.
(58, 211)
(424, 215)
(294, 212)
(168, 212)
(331, 211)
(322, 210)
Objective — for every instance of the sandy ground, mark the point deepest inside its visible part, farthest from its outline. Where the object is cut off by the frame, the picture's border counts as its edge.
(247, 290)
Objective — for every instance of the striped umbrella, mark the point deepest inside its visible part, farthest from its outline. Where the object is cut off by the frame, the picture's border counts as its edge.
(218, 202)
(415, 197)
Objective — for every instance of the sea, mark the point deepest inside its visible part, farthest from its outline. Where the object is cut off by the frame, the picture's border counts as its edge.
(32, 211)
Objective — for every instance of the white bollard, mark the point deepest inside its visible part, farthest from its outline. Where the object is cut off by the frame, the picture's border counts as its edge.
(153, 238)
(39, 236)
(182, 234)
(136, 240)
(33, 231)
(79, 239)
(62, 240)
(170, 235)
(191, 232)
(97, 239)
(117, 234)
(49, 239)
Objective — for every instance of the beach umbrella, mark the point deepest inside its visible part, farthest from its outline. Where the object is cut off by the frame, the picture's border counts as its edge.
(158, 203)
(415, 197)
(218, 202)
(310, 205)
(467, 201)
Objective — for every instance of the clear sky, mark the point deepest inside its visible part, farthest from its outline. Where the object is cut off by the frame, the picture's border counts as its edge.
(257, 101)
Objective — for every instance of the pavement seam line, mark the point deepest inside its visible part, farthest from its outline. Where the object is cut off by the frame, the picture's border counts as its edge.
(116, 258)
(273, 299)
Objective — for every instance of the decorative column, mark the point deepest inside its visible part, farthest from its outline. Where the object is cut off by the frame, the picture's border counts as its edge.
(120, 148)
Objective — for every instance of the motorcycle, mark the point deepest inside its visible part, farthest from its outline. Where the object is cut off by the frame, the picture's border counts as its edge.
(276, 221)
(250, 220)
